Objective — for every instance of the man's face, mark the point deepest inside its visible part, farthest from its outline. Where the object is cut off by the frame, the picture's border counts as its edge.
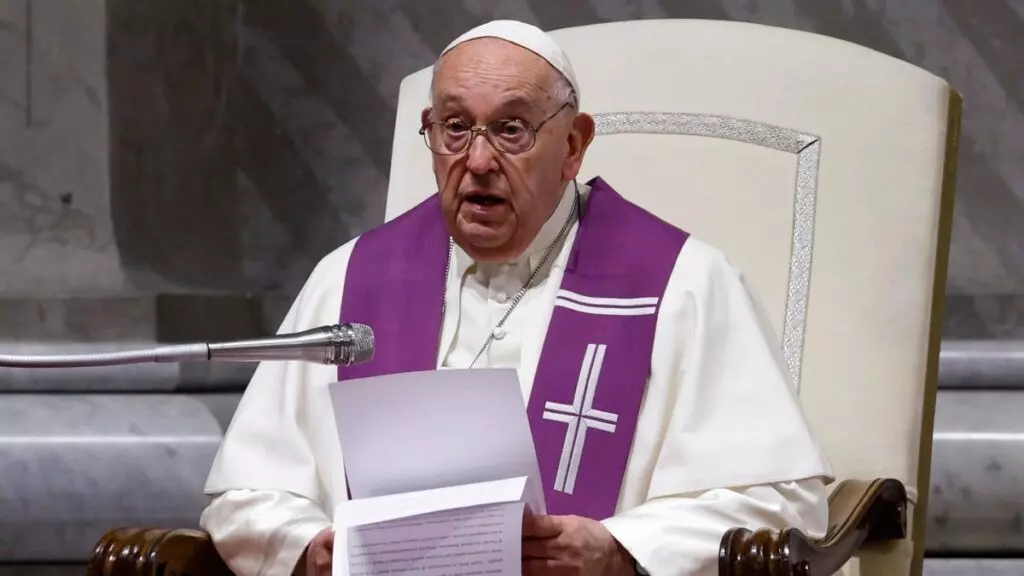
(495, 203)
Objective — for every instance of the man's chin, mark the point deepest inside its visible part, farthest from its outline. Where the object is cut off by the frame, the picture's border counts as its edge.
(483, 242)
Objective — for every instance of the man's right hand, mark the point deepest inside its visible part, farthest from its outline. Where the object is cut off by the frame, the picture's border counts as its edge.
(316, 560)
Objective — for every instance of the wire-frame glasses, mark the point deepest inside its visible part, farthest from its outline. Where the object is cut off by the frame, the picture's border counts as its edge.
(509, 135)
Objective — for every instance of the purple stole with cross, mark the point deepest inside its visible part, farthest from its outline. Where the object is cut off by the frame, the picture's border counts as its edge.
(596, 357)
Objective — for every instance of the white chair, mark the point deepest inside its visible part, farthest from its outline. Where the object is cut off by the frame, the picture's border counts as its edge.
(824, 170)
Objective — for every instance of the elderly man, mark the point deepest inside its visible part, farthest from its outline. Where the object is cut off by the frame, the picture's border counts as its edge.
(596, 303)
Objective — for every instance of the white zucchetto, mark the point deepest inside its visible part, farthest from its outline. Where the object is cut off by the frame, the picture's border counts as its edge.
(529, 37)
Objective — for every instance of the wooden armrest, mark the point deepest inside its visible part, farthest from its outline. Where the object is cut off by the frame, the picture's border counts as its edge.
(859, 512)
(156, 552)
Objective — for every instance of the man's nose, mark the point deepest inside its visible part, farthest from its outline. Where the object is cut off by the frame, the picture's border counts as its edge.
(481, 153)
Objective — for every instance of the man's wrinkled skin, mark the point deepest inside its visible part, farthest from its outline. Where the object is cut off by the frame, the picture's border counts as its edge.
(481, 81)
(572, 545)
(490, 79)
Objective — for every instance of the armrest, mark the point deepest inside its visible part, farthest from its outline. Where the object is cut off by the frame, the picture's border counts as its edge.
(156, 552)
(859, 512)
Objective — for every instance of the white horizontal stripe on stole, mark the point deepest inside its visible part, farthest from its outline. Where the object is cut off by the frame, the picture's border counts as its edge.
(606, 306)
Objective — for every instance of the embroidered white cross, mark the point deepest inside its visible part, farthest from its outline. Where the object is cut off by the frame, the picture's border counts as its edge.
(579, 417)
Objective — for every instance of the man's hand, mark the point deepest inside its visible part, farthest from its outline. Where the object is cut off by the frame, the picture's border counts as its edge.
(316, 560)
(572, 545)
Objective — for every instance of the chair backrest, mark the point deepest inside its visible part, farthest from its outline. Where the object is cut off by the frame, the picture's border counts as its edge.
(822, 169)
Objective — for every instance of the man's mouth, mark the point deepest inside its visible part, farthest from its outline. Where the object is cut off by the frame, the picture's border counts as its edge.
(484, 200)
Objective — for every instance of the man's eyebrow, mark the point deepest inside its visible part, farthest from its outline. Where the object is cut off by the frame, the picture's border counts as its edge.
(517, 102)
(513, 102)
(520, 104)
(448, 98)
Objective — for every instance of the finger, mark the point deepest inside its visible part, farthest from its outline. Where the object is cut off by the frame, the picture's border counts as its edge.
(329, 539)
(321, 562)
(541, 526)
(539, 567)
(323, 555)
(539, 548)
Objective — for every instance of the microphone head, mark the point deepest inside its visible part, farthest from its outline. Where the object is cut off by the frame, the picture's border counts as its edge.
(363, 343)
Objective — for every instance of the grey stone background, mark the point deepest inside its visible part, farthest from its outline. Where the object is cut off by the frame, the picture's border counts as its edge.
(172, 169)
(194, 158)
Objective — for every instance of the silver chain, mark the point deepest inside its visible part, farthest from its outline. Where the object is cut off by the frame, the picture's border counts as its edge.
(529, 282)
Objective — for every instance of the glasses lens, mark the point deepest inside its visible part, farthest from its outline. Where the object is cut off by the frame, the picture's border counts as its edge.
(454, 135)
(434, 136)
(511, 136)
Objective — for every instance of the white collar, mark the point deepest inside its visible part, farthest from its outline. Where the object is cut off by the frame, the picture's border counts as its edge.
(547, 235)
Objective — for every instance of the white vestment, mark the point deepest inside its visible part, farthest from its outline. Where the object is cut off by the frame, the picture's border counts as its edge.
(720, 440)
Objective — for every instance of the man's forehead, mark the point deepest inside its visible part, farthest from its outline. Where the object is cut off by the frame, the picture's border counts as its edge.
(527, 44)
(508, 74)
(506, 100)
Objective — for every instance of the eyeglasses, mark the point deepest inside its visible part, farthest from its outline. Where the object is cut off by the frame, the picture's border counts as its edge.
(511, 135)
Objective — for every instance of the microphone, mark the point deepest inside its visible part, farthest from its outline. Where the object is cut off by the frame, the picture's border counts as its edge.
(340, 344)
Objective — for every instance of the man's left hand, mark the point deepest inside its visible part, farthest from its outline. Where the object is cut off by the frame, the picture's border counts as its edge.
(572, 545)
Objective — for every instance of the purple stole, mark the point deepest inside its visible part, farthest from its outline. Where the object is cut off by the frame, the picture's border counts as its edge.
(596, 358)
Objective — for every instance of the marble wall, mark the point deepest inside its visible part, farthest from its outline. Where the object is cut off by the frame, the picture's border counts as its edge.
(56, 232)
(217, 148)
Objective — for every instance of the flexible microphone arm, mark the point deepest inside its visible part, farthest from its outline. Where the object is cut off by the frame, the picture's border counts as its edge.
(340, 344)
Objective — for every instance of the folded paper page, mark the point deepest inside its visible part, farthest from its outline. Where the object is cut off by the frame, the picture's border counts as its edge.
(465, 542)
(419, 431)
(461, 530)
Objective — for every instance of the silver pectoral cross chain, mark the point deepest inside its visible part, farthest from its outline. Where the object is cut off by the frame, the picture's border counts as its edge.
(580, 416)
(529, 282)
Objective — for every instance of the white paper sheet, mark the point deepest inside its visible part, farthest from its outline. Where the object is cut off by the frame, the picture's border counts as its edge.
(434, 429)
(464, 542)
(461, 530)
(385, 508)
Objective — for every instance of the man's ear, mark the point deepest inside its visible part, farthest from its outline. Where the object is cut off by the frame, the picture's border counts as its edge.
(580, 136)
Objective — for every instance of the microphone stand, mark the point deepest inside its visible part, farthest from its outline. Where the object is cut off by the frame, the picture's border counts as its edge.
(340, 344)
